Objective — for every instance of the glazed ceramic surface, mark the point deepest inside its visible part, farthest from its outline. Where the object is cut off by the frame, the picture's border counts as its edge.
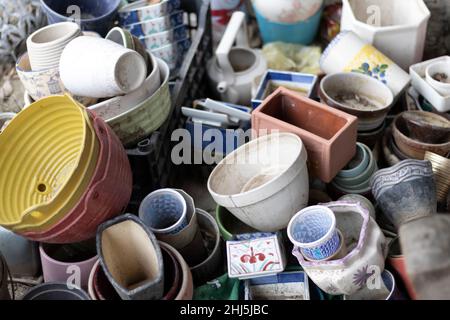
(328, 134)
(387, 289)
(304, 84)
(261, 178)
(165, 38)
(398, 29)
(100, 68)
(140, 11)
(359, 95)
(427, 127)
(367, 250)
(5, 119)
(418, 75)
(255, 257)
(155, 26)
(121, 242)
(55, 291)
(173, 54)
(347, 52)
(234, 68)
(432, 70)
(405, 191)
(132, 120)
(94, 16)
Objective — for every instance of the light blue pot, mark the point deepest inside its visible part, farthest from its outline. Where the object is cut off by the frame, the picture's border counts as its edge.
(303, 32)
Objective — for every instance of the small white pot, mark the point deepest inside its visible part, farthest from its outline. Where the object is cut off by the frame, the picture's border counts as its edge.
(347, 53)
(396, 28)
(100, 68)
(263, 183)
(367, 252)
(438, 67)
(46, 45)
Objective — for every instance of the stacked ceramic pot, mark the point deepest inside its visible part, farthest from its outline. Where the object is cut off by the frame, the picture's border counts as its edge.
(355, 178)
(160, 27)
(61, 174)
(263, 183)
(38, 69)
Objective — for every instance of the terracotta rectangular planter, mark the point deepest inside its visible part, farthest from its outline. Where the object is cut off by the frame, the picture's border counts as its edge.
(328, 134)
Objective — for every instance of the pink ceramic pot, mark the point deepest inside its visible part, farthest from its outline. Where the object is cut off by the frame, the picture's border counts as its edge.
(99, 286)
(107, 195)
(56, 270)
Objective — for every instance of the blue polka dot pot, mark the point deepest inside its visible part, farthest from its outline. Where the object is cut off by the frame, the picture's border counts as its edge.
(314, 231)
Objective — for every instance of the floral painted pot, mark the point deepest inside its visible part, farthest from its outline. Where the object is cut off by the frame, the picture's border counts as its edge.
(139, 11)
(405, 191)
(367, 249)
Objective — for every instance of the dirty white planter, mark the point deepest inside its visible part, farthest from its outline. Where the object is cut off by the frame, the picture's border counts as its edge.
(367, 252)
(263, 183)
(396, 28)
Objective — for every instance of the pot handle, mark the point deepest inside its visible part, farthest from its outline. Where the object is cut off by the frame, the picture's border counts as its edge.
(236, 32)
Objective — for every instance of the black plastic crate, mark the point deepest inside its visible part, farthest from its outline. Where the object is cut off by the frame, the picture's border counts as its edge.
(151, 158)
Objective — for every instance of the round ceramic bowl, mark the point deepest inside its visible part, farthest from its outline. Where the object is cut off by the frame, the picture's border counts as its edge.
(442, 70)
(55, 291)
(413, 148)
(357, 165)
(149, 28)
(441, 169)
(59, 169)
(121, 36)
(140, 11)
(186, 289)
(313, 230)
(42, 83)
(5, 119)
(135, 116)
(262, 177)
(340, 253)
(97, 17)
(164, 38)
(359, 95)
(105, 198)
(427, 127)
(229, 225)
(45, 45)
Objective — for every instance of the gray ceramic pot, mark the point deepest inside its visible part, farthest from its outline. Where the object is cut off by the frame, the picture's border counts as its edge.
(405, 191)
(22, 255)
(55, 291)
(212, 267)
(4, 292)
(131, 258)
(426, 246)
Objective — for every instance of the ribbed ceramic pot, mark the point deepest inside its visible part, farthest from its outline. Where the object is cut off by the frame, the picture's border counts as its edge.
(405, 191)
(366, 249)
(120, 243)
(61, 262)
(212, 267)
(4, 291)
(105, 198)
(441, 169)
(55, 291)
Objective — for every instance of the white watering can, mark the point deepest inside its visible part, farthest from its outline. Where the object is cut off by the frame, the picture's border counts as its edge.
(234, 69)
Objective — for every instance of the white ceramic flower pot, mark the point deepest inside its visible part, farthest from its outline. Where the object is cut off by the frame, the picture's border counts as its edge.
(94, 67)
(349, 53)
(263, 183)
(46, 45)
(367, 252)
(396, 28)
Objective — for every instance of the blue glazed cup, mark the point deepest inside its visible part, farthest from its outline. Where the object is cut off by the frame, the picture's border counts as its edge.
(164, 212)
(98, 16)
(303, 32)
(314, 231)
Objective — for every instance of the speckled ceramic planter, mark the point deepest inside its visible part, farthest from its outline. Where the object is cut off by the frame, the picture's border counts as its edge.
(405, 191)
(367, 251)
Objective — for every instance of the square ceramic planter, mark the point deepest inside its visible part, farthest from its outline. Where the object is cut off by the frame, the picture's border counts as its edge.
(256, 257)
(328, 134)
(300, 82)
(418, 80)
(284, 286)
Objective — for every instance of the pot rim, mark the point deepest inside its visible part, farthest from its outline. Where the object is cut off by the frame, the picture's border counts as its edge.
(324, 238)
(363, 164)
(134, 7)
(55, 287)
(73, 30)
(60, 16)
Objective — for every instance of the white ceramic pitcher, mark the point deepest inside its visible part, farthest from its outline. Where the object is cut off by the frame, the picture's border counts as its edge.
(233, 69)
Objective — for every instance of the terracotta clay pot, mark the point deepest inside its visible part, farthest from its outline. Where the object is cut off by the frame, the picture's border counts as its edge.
(425, 243)
(396, 260)
(105, 197)
(405, 191)
(328, 134)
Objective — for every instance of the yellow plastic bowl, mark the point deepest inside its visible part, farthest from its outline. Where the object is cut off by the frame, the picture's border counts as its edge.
(48, 154)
